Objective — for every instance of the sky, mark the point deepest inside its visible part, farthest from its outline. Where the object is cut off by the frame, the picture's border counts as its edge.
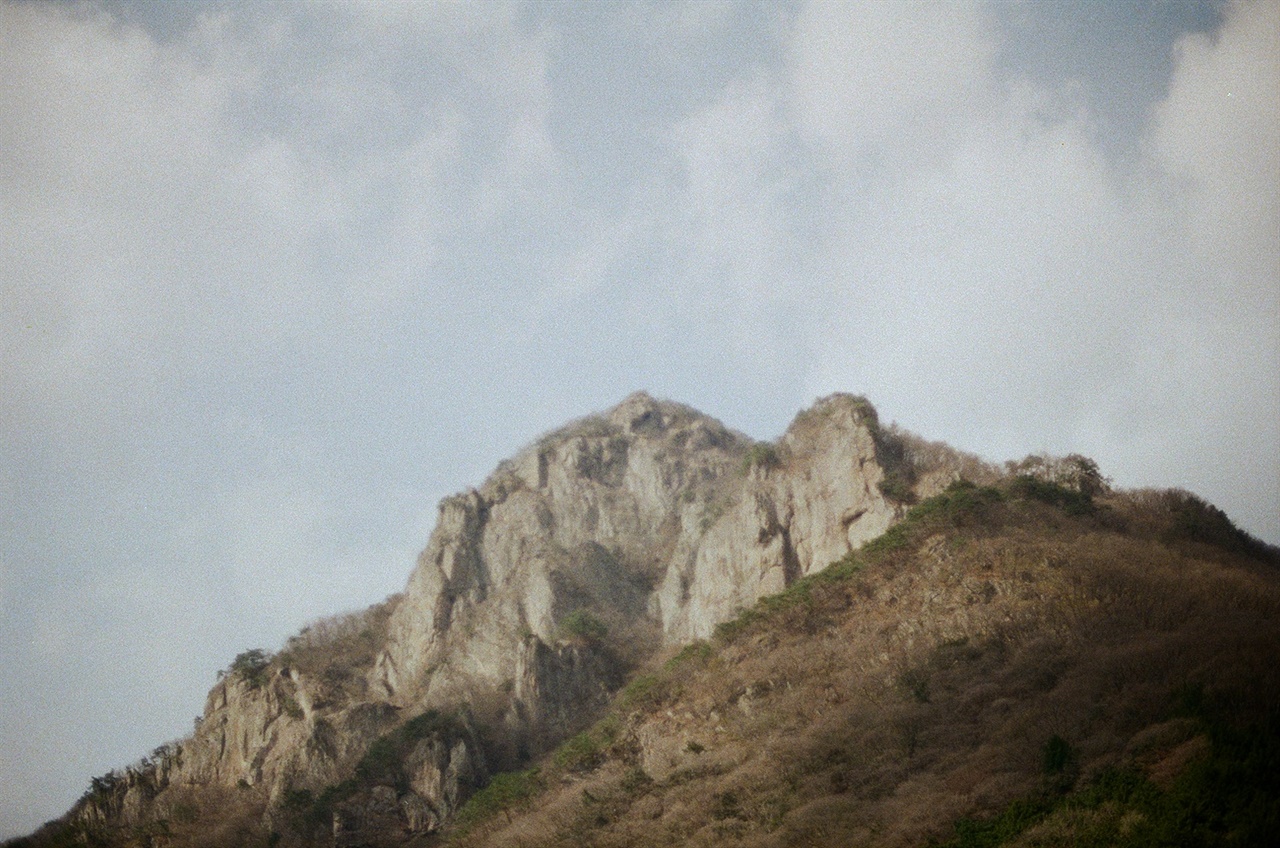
(275, 278)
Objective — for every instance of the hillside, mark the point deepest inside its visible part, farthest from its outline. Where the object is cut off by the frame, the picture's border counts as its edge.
(997, 670)
(646, 629)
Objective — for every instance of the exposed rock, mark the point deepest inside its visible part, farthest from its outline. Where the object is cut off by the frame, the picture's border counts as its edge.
(653, 520)
(590, 517)
(435, 776)
(645, 515)
(557, 688)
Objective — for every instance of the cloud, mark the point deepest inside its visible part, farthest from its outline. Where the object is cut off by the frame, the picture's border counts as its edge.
(265, 538)
(1217, 134)
(213, 195)
(1020, 291)
(230, 295)
(879, 79)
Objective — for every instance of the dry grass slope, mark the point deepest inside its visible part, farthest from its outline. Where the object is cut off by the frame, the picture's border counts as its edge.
(1025, 660)
(1004, 668)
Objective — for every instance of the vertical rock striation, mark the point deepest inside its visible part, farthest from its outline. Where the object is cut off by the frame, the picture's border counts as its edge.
(656, 519)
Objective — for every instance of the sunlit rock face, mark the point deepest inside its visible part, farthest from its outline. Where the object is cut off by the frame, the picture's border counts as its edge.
(588, 518)
(797, 510)
(603, 542)
(657, 519)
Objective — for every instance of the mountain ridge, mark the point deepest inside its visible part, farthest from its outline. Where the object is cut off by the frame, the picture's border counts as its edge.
(585, 557)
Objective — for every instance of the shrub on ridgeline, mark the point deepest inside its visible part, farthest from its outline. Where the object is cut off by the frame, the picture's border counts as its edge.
(762, 455)
(250, 666)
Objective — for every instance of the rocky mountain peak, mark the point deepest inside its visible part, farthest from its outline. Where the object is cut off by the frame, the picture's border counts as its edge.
(607, 543)
(598, 545)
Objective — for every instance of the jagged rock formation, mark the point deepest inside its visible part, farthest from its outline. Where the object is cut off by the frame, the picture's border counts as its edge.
(655, 518)
(603, 542)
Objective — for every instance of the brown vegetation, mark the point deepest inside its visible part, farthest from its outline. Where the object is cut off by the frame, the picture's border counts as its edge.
(337, 651)
(991, 663)
(1028, 659)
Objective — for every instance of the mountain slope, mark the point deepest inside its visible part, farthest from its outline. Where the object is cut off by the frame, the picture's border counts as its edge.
(917, 680)
(996, 671)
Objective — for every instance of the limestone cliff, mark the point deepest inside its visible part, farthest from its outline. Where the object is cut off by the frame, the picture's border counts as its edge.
(603, 542)
(657, 519)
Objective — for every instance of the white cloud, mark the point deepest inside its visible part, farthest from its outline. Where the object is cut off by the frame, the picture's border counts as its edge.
(879, 79)
(731, 189)
(1218, 134)
(1019, 292)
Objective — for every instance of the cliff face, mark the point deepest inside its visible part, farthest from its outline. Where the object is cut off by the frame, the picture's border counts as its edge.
(655, 519)
(576, 560)
(1010, 610)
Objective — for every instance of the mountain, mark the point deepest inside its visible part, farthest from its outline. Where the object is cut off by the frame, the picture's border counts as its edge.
(648, 629)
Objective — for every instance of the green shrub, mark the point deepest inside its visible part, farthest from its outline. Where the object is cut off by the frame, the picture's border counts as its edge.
(763, 455)
(1070, 501)
(727, 806)
(641, 692)
(916, 682)
(427, 724)
(727, 631)
(580, 625)
(1074, 472)
(897, 486)
(960, 503)
(798, 594)
(579, 753)
(250, 666)
(291, 706)
(1057, 755)
(298, 799)
(842, 569)
(1195, 520)
(1007, 824)
(695, 652)
(505, 791)
(636, 779)
(1225, 797)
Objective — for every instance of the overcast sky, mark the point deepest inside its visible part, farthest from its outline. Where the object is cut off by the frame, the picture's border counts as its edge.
(275, 277)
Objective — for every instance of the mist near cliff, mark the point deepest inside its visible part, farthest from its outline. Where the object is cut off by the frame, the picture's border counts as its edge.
(275, 279)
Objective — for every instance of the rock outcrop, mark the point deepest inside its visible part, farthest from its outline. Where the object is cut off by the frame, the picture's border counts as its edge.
(657, 519)
(603, 542)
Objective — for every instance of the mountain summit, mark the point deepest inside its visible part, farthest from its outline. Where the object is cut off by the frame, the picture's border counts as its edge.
(580, 564)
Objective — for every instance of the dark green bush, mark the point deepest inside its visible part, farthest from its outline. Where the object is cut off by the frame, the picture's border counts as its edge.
(897, 486)
(505, 791)
(642, 692)
(250, 666)
(1070, 501)
(1229, 796)
(1195, 520)
(694, 652)
(298, 799)
(1057, 755)
(579, 753)
(580, 625)
(763, 455)
(995, 831)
